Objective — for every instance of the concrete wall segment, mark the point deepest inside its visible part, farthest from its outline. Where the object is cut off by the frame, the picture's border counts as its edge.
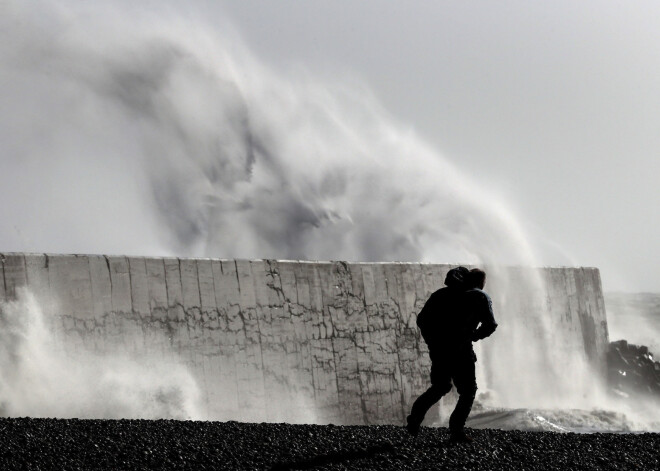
(338, 337)
(15, 273)
(37, 278)
(120, 285)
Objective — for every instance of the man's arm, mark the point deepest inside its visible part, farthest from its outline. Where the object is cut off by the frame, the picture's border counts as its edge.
(486, 317)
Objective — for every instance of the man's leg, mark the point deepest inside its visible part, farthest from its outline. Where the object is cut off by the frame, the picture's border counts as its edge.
(440, 385)
(466, 385)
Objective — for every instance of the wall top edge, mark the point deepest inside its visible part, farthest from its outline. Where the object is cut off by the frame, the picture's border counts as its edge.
(317, 262)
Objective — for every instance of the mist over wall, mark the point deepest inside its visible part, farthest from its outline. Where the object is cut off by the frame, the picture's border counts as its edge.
(147, 132)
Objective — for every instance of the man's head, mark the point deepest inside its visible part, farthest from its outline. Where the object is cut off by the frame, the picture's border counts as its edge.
(457, 277)
(477, 278)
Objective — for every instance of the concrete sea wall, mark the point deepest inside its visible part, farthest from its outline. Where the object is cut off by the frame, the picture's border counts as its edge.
(275, 340)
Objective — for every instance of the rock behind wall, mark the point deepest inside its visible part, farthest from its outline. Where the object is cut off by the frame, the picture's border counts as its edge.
(275, 340)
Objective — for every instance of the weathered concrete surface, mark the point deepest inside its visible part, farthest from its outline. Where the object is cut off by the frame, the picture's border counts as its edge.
(279, 340)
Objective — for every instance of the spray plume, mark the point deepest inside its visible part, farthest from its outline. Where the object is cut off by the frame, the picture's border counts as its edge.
(178, 135)
(39, 378)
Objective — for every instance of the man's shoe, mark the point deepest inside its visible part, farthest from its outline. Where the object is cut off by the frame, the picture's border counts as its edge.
(460, 437)
(412, 426)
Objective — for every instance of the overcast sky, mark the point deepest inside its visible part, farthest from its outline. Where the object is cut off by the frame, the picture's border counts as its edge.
(555, 105)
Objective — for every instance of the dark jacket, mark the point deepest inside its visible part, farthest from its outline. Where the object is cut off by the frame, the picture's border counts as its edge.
(480, 304)
(453, 318)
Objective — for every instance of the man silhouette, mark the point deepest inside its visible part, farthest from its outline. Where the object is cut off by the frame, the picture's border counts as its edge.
(453, 318)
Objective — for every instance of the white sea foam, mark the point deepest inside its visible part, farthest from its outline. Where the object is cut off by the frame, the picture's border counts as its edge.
(562, 420)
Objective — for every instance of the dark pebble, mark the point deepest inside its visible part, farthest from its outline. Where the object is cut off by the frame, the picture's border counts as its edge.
(168, 444)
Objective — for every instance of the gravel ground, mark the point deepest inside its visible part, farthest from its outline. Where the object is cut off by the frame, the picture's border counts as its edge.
(168, 444)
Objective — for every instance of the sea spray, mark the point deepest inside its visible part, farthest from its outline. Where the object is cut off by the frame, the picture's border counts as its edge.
(38, 378)
(174, 132)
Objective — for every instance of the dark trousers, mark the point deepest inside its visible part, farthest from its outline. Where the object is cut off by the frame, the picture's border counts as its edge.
(444, 370)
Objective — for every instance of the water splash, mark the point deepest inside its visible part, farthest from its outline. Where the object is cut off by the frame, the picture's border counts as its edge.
(38, 378)
(195, 148)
